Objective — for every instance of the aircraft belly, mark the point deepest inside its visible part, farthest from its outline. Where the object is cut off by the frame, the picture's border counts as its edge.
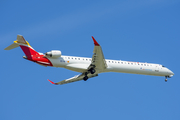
(134, 70)
(77, 67)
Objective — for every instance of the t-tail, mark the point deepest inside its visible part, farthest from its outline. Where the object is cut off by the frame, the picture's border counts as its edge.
(30, 53)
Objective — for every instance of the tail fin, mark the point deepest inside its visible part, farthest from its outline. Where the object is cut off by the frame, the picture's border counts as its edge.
(25, 46)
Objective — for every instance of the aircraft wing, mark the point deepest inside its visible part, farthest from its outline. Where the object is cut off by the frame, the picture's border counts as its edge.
(74, 79)
(98, 62)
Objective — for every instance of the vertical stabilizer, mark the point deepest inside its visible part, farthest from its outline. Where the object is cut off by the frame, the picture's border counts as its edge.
(25, 46)
(20, 39)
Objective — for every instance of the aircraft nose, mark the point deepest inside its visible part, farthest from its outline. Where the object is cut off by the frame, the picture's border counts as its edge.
(170, 72)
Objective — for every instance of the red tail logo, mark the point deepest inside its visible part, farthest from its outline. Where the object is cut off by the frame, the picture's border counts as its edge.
(28, 51)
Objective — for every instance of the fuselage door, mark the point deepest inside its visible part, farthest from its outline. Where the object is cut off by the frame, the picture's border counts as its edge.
(156, 68)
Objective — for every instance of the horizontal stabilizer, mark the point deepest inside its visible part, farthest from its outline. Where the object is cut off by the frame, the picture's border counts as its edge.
(14, 45)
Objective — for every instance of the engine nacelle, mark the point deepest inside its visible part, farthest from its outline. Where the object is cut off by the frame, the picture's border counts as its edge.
(53, 54)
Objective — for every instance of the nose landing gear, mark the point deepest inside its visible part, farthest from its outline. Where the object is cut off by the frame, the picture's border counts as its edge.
(166, 78)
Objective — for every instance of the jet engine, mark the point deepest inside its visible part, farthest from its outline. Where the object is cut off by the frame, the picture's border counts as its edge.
(53, 54)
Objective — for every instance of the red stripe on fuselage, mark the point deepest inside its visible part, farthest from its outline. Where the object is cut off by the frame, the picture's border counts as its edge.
(34, 56)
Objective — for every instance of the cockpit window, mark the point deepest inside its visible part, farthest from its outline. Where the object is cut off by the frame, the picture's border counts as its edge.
(163, 66)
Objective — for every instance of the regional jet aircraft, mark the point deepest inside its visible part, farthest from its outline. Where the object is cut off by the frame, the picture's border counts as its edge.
(88, 67)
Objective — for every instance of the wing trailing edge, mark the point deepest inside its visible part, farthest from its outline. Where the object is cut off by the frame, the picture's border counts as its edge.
(73, 79)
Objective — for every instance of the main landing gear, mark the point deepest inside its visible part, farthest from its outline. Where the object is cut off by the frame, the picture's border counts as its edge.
(85, 78)
(92, 71)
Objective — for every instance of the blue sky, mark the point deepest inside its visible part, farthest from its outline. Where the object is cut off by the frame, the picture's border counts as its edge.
(132, 30)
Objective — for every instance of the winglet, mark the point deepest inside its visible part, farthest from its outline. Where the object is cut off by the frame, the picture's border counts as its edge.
(95, 42)
(52, 82)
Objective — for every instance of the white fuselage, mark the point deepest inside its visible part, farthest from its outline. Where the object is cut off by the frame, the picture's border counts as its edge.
(80, 64)
(89, 67)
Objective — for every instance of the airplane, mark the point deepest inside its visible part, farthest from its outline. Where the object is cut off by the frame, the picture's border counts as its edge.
(88, 67)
